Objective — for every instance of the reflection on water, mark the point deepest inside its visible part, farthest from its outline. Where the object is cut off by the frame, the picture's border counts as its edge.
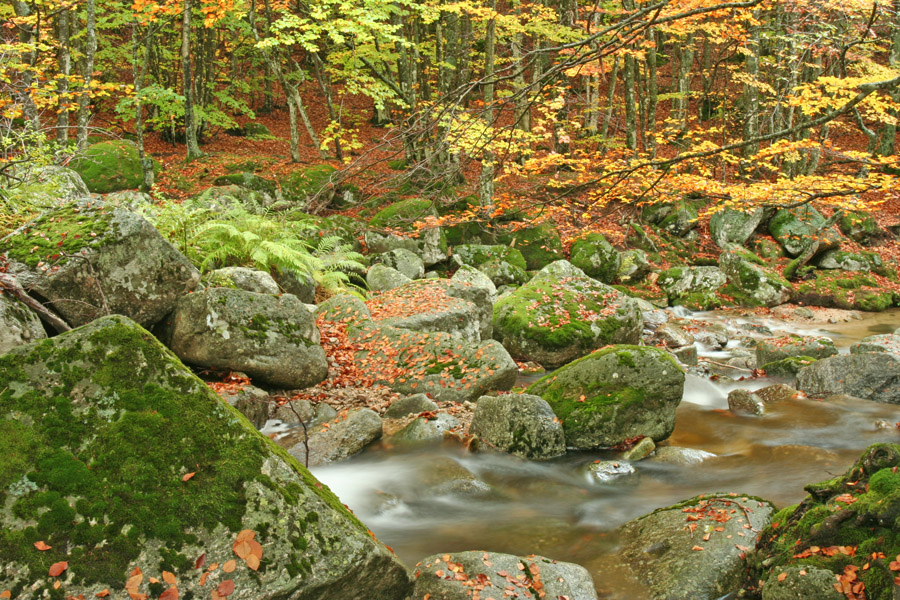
(422, 502)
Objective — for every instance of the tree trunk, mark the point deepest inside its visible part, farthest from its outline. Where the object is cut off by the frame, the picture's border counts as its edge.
(28, 36)
(190, 123)
(139, 74)
(64, 61)
(87, 75)
(486, 183)
(751, 93)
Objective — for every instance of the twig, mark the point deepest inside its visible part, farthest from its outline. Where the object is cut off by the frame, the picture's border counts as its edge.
(704, 359)
(8, 282)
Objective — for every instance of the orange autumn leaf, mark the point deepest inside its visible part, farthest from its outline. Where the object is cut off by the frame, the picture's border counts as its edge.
(42, 546)
(170, 594)
(168, 577)
(253, 562)
(187, 476)
(5, 594)
(102, 594)
(56, 569)
(226, 587)
(229, 566)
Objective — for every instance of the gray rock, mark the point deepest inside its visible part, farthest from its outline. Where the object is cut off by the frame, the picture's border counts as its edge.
(502, 273)
(873, 376)
(222, 198)
(693, 287)
(633, 266)
(381, 278)
(472, 276)
(681, 456)
(560, 269)
(273, 339)
(796, 229)
(844, 261)
(47, 188)
(801, 582)
(428, 429)
(615, 394)
(519, 424)
(146, 421)
(640, 451)
(674, 334)
(606, 471)
(460, 309)
(596, 257)
(18, 324)
(731, 226)
(775, 349)
(430, 246)
(301, 285)
(133, 200)
(445, 476)
(403, 260)
(89, 260)
(476, 255)
(311, 414)
(251, 401)
(552, 320)
(772, 394)
(340, 438)
(410, 405)
(745, 402)
(454, 578)
(889, 343)
(754, 284)
(688, 356)
(242, 278)
(677, 563)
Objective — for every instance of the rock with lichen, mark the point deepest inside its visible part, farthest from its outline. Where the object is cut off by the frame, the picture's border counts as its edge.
(18, 324)
(118, 458)
(88, 259)
(520, 424)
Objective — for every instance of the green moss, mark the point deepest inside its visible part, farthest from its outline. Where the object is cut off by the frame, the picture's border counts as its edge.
(57, 235)
(103, 442)
(301, 184)
(540, 245)
(109, 167)
(401, 215)
(787, 367)
(858, 291)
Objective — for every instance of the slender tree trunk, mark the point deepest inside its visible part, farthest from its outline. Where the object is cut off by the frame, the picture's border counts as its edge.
(190, 123)
(751, 93)
(888, 133)
(685, 52)
(630, 114)
(652, 91)
(64, 61)
(139, 73)
(87, 75)
(28, 37)
(610, 99)
(486, 183)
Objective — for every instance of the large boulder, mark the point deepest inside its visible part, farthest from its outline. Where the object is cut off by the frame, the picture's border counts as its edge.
(848, 291)
(520, 424)
(693, 287)
(457, 576)
(678, 218)
(109, 166)
(460, 309)
(887, 342)
(403, 260)
(88, 259)
(837, 527)
(274, 339)
(552, 320)
(872, 376)
(381, 278)
(476, 278)
(752, 284)
(861, 227)
(300, 186)
(393, 227)
(123, 462)
(730, 226)
(797, 229)
(436, 363)
(596, 257)
(539, 244)
(614, 394)
(770, 350)
(18, 324)
(348, 434)
(476, 255)
(695, 550)
(47, 188)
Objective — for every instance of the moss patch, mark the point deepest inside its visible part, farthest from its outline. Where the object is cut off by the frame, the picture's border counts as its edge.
(58, 235)
(110, 167)
(851, 291)
(401, 215)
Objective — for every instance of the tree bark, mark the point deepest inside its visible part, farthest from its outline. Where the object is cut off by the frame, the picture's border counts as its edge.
(190, 123)
(87, 75)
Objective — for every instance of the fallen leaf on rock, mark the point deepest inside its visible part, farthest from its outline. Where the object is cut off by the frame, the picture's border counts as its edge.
(41, 546)
(56, 569)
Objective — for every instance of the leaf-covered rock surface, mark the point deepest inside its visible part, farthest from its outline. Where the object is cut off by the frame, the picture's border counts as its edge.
(128, 467)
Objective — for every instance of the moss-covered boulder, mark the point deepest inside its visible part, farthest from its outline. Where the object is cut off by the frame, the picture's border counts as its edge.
(787, 367)
(552, 320)
(695, 550)
(46, 188)
(393, 227)
(88, 259)
(846, 261)
(476, 255)
(18, 324)
(539, 244)
(693, 287)
(872, 376)
(436, 363)
(224, 198)
(520, 424)
(250, 181)
(300, 186)
(796, 229)
(460, 309)
(455, 577)
(253, 129)
(838, 527)
(633, 266)
(676, 218)
(771, 350)
(403, 260)
(109, 166)
(849, 291)
(730, 226)
(501, 273)
(752, 284)
(273, 339)
(861, 227)
(614, 394)
(596, 257)
(118, 458)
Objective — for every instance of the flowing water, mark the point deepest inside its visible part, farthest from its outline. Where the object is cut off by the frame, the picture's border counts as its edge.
(556, 510)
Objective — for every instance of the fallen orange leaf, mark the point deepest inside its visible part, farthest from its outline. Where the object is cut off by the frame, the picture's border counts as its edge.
(42, 546)
(56, 569)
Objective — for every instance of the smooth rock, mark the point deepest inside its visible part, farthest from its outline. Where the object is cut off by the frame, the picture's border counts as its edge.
(519, 424)
(873, 376)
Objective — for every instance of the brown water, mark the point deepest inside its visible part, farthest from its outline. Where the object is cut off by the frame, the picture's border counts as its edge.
(553, 508)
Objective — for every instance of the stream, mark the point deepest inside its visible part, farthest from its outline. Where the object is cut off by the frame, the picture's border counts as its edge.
(555, 509)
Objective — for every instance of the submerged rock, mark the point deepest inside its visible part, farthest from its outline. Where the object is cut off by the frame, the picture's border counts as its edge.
(88, 259)
(118, 457)
(554, 319)
(695, 550)
(274, 339)
(614, 394)
(745, 402)
(455, 576)
(519, 424)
